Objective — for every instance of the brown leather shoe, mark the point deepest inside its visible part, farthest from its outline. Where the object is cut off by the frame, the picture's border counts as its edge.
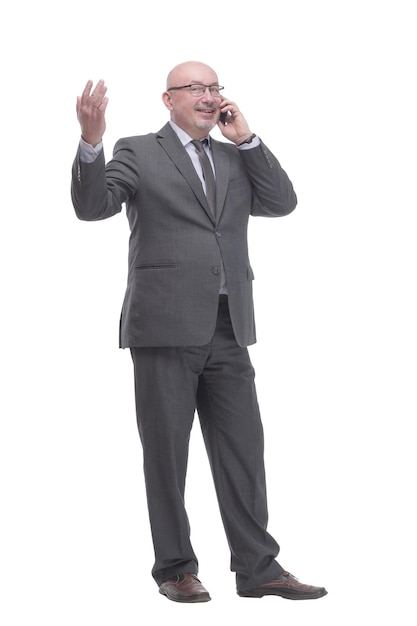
(286, 586)
(184, 588)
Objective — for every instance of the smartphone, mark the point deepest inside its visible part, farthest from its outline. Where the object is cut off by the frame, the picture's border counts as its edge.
(223, 118)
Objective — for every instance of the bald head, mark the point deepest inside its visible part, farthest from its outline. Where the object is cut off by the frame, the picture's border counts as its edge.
(195, 114)
(190, 72)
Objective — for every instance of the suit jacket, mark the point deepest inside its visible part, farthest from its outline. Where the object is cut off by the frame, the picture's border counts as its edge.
(176, 247)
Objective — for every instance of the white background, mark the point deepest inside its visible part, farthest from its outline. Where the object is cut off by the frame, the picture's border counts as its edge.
(330, 87)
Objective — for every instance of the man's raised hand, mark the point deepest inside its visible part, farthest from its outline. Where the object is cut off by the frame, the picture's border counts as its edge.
(91, 108)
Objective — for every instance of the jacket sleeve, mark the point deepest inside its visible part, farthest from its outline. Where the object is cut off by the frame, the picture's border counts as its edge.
(274, 194)
(99, 191)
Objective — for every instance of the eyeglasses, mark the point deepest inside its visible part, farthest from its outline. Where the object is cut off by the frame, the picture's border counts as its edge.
(199, 90)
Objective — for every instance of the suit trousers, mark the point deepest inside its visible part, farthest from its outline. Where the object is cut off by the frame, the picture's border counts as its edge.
(218, 381)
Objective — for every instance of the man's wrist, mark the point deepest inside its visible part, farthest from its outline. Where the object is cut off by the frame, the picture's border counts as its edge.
(93, 144)
(248, 139)
(89, 153)
(254, 143)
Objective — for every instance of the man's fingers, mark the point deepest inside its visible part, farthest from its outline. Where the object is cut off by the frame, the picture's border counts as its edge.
(103, 104)
(99, 91)
(87, 89)
(96, 96)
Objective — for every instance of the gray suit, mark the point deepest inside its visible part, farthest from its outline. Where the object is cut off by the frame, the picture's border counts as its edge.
(189, 346)
(175, 247)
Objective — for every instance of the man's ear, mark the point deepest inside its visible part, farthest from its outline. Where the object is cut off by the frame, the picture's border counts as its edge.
(167, 100)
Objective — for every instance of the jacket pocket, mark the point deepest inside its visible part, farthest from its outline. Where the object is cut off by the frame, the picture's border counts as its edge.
(155, 265)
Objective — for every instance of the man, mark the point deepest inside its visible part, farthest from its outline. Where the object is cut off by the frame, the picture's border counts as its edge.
(187, 315)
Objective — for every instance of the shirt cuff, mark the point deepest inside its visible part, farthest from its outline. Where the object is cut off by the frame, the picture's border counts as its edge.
(248, 146)
(89, 153)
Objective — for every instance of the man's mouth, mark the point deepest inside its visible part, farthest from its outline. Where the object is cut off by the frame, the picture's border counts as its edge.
(206, 110)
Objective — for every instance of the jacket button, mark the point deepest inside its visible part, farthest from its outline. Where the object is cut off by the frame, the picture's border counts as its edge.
(218, 234)
(215, 270)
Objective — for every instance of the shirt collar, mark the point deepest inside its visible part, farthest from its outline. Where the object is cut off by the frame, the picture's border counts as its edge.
(183, 136)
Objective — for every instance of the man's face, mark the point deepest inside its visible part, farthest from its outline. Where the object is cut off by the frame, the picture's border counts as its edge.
(197, 115)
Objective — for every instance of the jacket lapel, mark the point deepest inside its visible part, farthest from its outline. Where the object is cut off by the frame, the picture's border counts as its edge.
(179, 156)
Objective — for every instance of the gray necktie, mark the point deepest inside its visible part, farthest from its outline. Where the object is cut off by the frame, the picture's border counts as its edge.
(208, 174)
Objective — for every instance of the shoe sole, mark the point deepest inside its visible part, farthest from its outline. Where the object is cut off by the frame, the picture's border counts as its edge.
(282, 593)
(187, 599)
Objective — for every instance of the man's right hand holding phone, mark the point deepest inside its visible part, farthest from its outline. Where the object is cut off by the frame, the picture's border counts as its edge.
(234, 127)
